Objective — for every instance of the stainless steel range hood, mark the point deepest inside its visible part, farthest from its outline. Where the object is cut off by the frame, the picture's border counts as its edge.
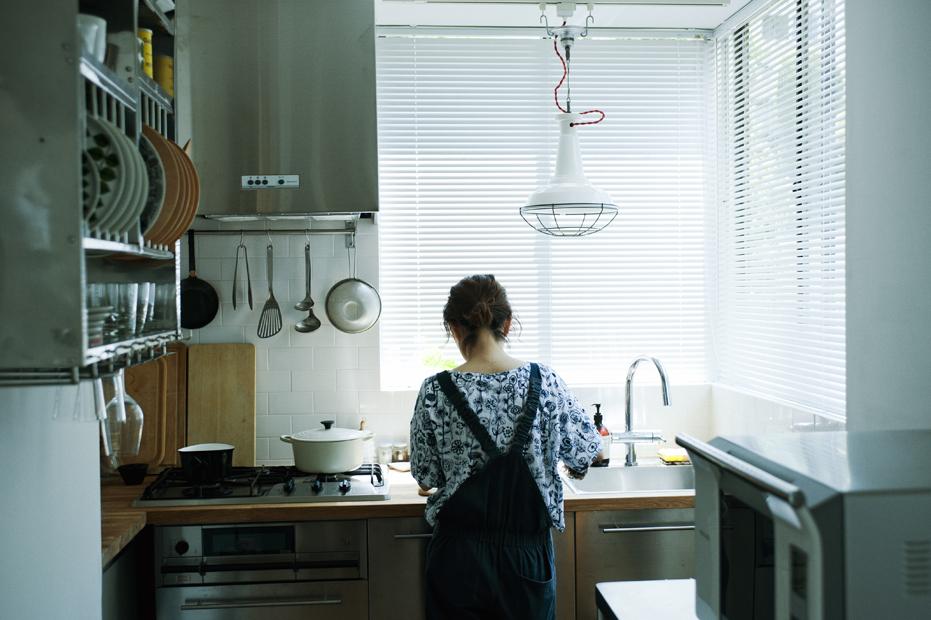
(282, 111)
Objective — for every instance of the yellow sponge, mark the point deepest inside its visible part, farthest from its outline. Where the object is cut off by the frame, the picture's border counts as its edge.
(673, 456)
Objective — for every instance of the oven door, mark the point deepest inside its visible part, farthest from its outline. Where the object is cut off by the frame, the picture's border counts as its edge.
(758, 550)
(321, 600)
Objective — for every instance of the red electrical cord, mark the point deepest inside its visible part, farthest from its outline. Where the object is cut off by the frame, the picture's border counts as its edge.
(565, 73)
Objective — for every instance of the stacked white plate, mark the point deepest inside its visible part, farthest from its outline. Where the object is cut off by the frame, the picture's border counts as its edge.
(122, 179)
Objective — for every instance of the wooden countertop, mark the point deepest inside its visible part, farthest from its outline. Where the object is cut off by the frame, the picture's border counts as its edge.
(121, 521)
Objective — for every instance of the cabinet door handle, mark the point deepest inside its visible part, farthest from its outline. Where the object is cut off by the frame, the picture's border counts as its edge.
(412, 536)
(243, 603)
(646, 528)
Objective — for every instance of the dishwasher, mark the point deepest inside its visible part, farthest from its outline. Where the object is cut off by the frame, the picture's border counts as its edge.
(259, 571)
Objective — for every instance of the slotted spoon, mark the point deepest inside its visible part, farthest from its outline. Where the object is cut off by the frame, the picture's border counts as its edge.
(270, 321)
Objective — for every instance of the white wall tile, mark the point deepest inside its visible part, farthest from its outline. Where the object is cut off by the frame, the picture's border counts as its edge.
(368, 358)
(219, 334)
(356, 380)
(314, 380)
(281, 339)
(273, 381)
(272, 425)
(365, 339)
(300, 359)
(325, 336)
(280, 451)
(291, 403)
(346, 402)
(261, 449)
(373, 403)
(338, 358)
(261, 403)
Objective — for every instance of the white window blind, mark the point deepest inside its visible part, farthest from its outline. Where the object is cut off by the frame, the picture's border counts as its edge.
(467, 131)
(779, 316)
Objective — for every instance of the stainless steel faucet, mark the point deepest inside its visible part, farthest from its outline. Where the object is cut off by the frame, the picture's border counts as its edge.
(628, 398)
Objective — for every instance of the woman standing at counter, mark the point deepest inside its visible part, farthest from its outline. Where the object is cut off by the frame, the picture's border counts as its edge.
(488, 436)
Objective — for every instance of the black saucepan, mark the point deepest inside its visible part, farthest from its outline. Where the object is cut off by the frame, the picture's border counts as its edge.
(206, 463)
(199, 301)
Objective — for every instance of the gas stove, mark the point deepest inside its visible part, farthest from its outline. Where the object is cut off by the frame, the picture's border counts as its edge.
(267, 485)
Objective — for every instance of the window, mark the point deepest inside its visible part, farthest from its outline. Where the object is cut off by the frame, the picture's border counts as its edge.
(779, 312)
(467, 131)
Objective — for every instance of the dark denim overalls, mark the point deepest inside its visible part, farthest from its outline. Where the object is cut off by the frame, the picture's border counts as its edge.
(491, 555)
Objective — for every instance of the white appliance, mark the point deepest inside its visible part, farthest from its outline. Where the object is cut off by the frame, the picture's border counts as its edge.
(813, 526)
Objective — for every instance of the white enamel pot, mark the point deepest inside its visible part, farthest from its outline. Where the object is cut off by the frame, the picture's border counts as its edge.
(328, 450)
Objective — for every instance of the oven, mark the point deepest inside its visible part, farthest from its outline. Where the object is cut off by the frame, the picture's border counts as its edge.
(812, 526)
(276, 570)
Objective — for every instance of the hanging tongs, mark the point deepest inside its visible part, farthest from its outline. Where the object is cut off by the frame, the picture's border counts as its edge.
(245, 256)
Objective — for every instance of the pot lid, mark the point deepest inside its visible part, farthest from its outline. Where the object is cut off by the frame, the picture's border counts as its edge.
(330, 433)
(206, 447)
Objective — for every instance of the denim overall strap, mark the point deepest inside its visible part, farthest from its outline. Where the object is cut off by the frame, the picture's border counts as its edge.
(467, 414)
(531, 405)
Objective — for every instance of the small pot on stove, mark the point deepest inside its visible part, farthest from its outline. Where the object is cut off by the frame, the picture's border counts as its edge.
(206, 463)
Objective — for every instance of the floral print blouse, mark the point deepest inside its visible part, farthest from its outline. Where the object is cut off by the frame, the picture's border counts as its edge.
(444, 452)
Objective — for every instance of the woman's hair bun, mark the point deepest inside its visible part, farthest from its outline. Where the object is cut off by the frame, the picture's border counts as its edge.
(477, 302)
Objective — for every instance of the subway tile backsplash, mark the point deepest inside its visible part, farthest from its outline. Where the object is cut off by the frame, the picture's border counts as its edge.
(301, 379)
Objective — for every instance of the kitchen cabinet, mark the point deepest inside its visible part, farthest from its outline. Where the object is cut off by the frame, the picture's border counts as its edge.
(49, 250)
(630, 545)
(397, 555)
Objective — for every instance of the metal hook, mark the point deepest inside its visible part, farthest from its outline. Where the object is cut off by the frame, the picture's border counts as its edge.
(545, 21)
(588, 20)
(240, 236)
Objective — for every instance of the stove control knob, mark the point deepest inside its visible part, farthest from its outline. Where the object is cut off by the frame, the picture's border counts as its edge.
(181, 547)
(344, 486)
(316, 486)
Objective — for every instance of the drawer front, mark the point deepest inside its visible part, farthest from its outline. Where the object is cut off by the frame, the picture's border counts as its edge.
(322, 600)
(631, 545)
(397, 560)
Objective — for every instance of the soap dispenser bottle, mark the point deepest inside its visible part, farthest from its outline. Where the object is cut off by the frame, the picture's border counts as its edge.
(605, 437)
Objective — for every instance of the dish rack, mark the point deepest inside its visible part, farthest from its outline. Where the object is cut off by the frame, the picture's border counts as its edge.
(49, 254)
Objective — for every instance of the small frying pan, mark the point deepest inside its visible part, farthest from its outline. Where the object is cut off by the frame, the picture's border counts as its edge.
(199, 301)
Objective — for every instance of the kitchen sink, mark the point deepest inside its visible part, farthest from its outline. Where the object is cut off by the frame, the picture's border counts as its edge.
(641, 480)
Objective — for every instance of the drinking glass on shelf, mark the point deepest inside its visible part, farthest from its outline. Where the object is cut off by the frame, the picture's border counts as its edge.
(123, 298)
(146, 291)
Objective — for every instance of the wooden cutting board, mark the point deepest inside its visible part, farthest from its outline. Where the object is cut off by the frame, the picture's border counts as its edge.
(176, 401)
(221, 398)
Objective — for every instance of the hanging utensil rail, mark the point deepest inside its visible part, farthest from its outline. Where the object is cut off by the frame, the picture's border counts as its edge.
(349, 231)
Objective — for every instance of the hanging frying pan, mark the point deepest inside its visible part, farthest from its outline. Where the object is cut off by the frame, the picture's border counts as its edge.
(353, 305)
(199, 301)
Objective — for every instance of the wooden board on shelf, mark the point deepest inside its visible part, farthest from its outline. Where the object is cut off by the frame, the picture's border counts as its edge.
(221, 398)
(176, 414)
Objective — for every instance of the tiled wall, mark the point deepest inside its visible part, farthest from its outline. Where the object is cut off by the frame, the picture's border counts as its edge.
(302, 378)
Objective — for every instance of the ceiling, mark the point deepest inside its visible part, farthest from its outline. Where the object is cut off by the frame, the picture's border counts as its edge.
(413, 13)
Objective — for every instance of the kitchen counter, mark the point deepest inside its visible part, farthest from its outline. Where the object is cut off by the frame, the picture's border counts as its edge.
(121, 521)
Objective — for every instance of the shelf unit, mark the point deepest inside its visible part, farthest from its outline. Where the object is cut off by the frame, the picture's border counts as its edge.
(48, 253)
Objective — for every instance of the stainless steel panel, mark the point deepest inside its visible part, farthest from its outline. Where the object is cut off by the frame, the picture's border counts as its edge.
(322, 600)
(281, 87)
(40, 173)
(604, 554)
(564, 548)
(397, 552)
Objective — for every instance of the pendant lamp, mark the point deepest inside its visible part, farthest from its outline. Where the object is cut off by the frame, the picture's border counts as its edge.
(569, 206)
